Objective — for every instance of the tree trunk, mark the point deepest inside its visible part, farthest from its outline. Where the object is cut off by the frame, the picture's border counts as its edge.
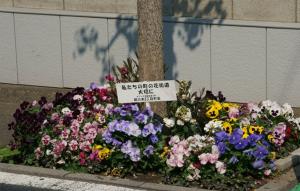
(150, 45)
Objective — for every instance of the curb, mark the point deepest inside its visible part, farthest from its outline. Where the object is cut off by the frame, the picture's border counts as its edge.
(292, 162)
(288, 162)
(62, 174)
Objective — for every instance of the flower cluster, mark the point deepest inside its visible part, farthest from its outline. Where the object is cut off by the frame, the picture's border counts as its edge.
(190, 155)
(203, 139)
(132, 132)
(71, 130)
(247, 138)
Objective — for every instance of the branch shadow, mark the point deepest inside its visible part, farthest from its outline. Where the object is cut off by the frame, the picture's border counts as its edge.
(189, 33)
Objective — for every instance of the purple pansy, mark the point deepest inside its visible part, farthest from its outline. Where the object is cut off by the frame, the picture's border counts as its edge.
(260, 152)
(258, 164)
(233, 160)
(241, 144)
(221, 136)
(149, 150)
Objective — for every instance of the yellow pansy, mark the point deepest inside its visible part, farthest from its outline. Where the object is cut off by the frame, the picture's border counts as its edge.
(104, 153)
(245, 132)
(227, 127)
(252, 129)
(271, 138)
(233, 119)
(165, 152)
(272, 155)
(216, 105)
(97, 147)
(212, 113)
(260, 129)
(226, 106)
(256, 129)
(116, 172)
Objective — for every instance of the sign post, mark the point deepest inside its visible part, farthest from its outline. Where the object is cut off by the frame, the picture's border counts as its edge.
(148, 91)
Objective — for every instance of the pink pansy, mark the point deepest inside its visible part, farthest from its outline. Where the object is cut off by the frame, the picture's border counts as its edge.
(221, 168)
(267, 172)
(48, 106)
(85, 146)
(81, 136)
(75, 125)
(80, 118)
(92, 133)
(75, 134)
(58, 148)
(55, 117)
(204, 158)
(46, 139)
(279, 133)
(38, 153)
(73, 145)
(34, 103)
(65, 133)
(87, 126)
(213, 158)
(175, 161)
(174, 140)
(233, 112)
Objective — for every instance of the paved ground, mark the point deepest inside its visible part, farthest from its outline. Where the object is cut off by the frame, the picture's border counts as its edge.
(20, 182)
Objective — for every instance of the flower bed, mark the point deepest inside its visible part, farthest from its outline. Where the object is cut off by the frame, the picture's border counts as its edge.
(204, 141)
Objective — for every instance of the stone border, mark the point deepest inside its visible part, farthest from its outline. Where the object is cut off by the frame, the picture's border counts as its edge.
(279, 184)
(85, 177)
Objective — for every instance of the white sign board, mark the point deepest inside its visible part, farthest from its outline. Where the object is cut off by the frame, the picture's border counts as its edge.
(149, 91)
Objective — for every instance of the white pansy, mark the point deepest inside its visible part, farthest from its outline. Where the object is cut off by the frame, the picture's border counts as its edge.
(78, 97)
(169, 122)
(287, 110)
(97, 106)
(296, 121)
(266, 104)
(212, 126)
(66, 110)
(193, 121)
(48, 152)
(81, 108)
(275, 109)
(180, 122)
(61, 161)
(183, 113)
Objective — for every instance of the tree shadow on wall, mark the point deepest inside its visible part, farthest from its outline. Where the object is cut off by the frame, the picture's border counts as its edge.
(186, 30)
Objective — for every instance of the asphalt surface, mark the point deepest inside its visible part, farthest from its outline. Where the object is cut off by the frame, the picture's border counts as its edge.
(9, 187)
(21, 182)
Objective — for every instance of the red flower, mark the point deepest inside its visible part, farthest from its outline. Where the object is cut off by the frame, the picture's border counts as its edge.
(124, 71)
(197, 164)
(288, 132)
(109, 78)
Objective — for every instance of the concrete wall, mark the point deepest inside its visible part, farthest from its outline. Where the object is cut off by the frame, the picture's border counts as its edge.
(248, 61)
(256, 10)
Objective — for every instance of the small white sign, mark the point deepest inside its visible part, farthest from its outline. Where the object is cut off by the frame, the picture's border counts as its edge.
(148, 91)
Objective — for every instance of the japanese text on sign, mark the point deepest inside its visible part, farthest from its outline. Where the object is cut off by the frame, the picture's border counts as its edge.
(150, 91)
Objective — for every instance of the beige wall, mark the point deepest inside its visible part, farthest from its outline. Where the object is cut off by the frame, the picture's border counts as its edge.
(255, 10)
